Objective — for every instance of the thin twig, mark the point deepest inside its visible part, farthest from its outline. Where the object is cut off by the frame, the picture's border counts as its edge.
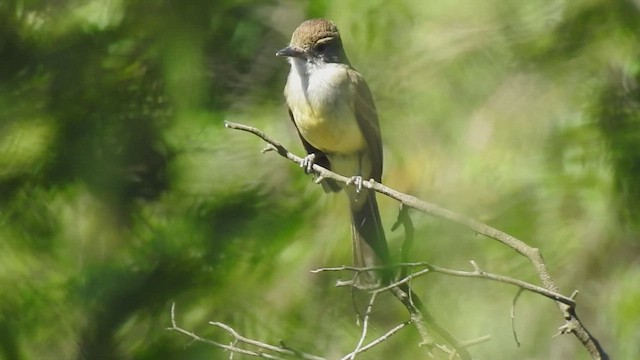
(237, 338)
(472, 342)
(409, 230)
(261, 345)
(235, 349)
(477, 273)
(513, 316)
(382, 338)
(365, 328)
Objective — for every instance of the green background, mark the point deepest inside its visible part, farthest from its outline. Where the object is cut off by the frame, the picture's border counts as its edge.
(121, 192)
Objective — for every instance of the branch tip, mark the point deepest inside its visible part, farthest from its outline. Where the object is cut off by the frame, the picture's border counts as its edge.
(574, 294)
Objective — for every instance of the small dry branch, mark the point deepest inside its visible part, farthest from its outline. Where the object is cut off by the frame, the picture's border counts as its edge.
(268, 351)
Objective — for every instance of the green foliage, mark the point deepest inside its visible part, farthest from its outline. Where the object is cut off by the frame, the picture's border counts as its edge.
(121, 192)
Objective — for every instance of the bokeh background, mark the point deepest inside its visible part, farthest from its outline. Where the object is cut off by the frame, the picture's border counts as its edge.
(122, 193)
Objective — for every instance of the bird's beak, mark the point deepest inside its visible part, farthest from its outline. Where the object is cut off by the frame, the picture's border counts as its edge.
(291, 51)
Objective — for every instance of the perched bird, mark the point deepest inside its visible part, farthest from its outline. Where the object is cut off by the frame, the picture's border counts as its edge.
(332, 108)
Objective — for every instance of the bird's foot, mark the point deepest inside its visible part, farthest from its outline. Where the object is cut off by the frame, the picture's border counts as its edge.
(307, 163)
(357, 182)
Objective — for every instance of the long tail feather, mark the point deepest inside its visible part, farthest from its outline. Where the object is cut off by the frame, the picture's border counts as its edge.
(369, 242)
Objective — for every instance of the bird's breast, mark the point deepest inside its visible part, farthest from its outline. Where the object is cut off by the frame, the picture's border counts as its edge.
(322, 102)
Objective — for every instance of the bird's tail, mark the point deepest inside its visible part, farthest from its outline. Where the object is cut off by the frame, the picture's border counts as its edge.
(369, 242)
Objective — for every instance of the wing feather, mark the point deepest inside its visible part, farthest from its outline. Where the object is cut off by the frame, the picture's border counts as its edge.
(367, 118)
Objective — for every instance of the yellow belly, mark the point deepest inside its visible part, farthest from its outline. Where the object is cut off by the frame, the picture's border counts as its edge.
(323, 110)
(333, 130)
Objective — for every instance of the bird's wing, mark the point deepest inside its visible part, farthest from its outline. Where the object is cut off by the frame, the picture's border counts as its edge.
(367, 118)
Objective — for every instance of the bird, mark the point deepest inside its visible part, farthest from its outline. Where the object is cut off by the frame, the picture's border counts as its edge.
(333, 111)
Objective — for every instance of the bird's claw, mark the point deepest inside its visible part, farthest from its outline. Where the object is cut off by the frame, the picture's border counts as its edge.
(357, 182)
(307, 163)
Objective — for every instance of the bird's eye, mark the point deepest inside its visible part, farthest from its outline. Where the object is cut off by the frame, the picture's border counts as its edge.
(322, 44)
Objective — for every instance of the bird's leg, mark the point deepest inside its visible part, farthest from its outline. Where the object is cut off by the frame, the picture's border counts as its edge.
(307, 163)
(357, 180)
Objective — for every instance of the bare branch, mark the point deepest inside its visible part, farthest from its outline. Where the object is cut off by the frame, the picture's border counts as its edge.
(382, 338)
(241, 339)
(409, 230)
(472, 342)
(231, 348)
(572, 322)
(365, 327)
(477, 273)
